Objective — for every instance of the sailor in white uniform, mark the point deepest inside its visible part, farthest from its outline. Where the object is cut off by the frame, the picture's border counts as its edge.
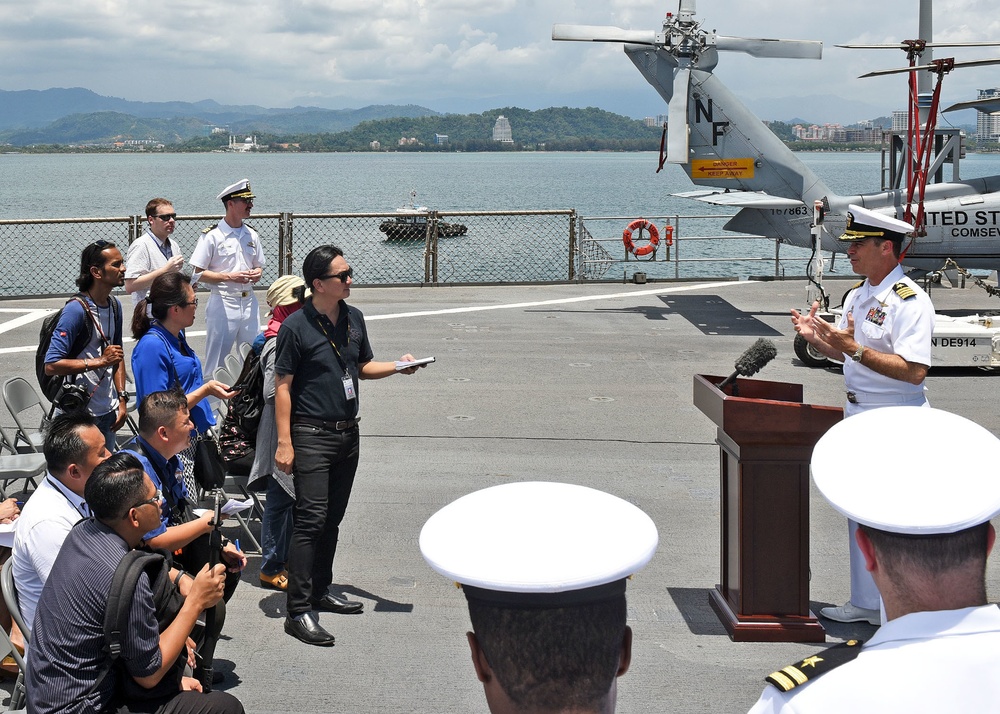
(884, 340)
(925, 539)
(229, 258)
(543, 567)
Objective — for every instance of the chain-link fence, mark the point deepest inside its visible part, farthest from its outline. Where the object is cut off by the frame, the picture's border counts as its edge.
(42, 257)
(436, 248)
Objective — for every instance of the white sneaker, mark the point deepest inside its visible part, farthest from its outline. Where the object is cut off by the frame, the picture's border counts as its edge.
(850, 613)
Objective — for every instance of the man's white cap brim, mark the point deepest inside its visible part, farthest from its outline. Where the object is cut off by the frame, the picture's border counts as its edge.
(538, 537)
(910, 470)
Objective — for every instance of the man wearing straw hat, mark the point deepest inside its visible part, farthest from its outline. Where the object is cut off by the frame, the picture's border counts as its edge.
(925, 532)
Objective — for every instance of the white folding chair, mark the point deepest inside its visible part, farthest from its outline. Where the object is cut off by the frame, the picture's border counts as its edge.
(234, 364)
(18, 699)
(21, 397)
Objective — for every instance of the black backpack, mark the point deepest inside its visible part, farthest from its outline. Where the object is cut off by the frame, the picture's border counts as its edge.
(238, 433)
(51, 384)
(167, 601)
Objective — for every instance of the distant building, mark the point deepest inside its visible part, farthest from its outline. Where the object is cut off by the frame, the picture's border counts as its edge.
(408, 141)
(375, 145)
(501, 131)
(899, 120)
(248, 144)
(440, 138)
(816, 132)
(988, 123)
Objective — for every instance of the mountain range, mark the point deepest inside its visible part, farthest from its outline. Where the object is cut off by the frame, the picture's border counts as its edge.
(78, 115)
(73, 115)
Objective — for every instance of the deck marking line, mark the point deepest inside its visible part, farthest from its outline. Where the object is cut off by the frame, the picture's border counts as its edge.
(445, 311)
(24, 320)
(558, 301)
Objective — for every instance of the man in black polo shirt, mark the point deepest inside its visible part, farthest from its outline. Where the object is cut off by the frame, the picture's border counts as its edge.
(67, 653)
(322, 352)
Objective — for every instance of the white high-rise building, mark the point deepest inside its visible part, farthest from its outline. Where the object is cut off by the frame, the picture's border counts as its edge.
(501, 130)
(988, 123)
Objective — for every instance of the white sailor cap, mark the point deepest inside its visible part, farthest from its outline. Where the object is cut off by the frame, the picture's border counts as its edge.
(911, 470)
(864, 223)
(240, 189)
(539, 544)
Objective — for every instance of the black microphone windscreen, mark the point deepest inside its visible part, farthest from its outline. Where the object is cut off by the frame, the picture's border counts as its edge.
(759, 354)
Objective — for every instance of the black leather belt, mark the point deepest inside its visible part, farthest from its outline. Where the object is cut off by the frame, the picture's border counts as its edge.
(327, 425)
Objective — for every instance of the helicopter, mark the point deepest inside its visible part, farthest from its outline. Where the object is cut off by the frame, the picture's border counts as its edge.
(722, 145)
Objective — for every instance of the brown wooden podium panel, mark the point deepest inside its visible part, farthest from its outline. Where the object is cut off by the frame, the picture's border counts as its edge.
(766, 436)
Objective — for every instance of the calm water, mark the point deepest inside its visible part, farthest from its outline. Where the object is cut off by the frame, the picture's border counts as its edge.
(72, 185)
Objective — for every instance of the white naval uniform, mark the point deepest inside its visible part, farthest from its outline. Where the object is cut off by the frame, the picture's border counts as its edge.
(145, 256)
(886, 323)
(924, 662)
(232, 314)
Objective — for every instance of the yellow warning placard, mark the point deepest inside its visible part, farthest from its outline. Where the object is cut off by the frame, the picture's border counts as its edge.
(722, 168)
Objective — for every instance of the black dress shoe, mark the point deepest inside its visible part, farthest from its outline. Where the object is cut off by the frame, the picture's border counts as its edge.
(306, 627)
(338, 604)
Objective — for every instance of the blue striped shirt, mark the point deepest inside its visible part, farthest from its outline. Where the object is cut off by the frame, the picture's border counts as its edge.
(67, 638)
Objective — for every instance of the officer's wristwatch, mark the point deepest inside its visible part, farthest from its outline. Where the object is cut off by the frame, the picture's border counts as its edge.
(858, 353)
(124, 396)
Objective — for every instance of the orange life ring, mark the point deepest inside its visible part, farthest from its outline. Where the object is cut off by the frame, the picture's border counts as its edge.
(641, 224)
(668, 235)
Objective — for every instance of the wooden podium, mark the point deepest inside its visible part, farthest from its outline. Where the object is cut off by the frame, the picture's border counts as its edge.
(766, 437)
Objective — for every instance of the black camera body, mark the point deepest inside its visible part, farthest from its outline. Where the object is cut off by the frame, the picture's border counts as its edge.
(71, 397)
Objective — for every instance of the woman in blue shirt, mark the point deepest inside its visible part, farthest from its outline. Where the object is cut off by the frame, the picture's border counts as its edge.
(162, 358)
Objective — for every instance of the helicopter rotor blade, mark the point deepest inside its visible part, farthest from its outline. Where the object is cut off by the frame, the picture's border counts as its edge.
(904, 46)
(677, 129)
(602, 33)
(936, 65)
(761, 47)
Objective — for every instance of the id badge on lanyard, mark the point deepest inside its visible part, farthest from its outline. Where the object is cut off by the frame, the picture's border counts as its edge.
(349, 387)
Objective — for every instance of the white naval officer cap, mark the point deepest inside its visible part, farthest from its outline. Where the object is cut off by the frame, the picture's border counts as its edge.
(240, 189)
(864, 223)
(539, 544)
(910, 470)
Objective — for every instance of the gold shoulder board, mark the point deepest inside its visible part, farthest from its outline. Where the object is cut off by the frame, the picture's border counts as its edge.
(793, 675)
(903, 290)
(210, 228)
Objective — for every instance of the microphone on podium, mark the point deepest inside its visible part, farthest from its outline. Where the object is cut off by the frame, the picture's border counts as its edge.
(750, 362)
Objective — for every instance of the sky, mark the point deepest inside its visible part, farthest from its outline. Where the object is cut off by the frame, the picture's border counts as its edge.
(464, 55)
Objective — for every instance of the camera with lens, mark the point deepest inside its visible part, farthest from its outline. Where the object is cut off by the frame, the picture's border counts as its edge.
(71, 397)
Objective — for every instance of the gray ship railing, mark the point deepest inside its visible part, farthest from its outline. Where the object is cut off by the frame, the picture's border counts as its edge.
(42, 255)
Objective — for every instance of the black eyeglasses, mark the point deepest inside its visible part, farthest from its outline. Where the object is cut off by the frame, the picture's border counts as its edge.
(154, 501)
(342, 276)
(101, 244)
(166, 217)
(187, 304)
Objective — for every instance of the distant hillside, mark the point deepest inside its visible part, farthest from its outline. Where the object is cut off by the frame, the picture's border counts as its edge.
(556, 127)
(352, 130)
(45, 112)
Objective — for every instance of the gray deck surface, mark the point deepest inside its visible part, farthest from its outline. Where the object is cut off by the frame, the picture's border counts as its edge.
(589, 384)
